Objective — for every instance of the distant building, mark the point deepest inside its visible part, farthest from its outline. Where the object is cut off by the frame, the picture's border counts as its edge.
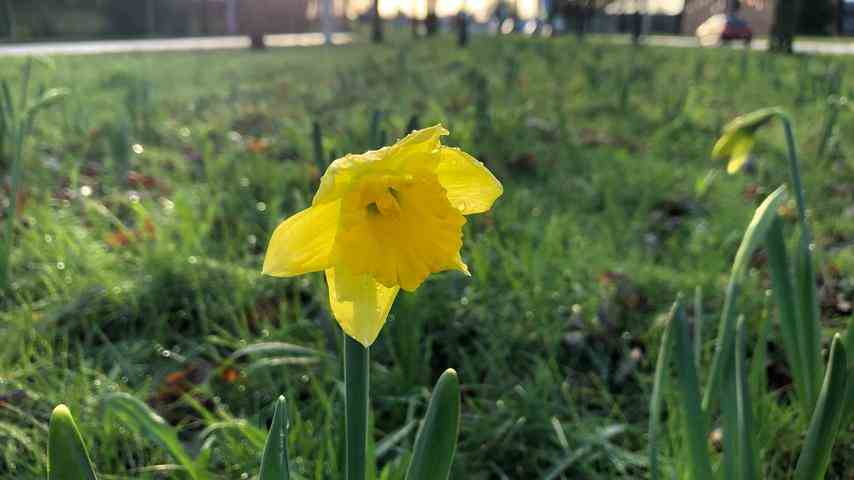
(759, 14)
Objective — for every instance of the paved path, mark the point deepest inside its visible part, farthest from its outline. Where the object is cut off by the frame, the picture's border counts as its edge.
(829, 47)
(164, 44)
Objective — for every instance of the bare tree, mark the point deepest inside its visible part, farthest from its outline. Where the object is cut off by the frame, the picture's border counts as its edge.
(377, 22)
(204, 20)
(786, 15)
(10, 18)
(431, 22)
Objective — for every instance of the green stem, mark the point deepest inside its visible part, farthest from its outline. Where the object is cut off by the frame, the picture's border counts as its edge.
(356, 376)
(810, 334)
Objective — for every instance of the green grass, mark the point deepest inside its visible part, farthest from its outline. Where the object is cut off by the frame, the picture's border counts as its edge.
(151, 284)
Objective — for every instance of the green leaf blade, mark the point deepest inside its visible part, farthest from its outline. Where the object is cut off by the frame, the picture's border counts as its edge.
(67, 455)
(753, 236)
(696, 423)
(655, 403)
(274, 463)
(436, 441)
(827, 417)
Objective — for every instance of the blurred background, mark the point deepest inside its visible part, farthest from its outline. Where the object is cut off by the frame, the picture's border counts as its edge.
(88, 19)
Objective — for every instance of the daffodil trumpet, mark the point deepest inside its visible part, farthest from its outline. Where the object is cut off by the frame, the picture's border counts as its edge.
(381, 221)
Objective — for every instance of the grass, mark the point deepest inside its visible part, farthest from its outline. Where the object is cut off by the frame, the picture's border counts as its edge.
(150, 192)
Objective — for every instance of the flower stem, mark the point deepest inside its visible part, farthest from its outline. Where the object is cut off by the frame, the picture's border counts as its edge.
(810, 334)
(356, 375)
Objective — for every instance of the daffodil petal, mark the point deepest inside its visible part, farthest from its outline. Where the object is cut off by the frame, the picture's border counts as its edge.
(470, 186)
(359, 303)
(303, 243)
(422, 141)
(414, 154)
(739, 152)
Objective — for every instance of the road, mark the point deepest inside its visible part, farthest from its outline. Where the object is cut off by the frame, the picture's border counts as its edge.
(163, 44)
(825, 47)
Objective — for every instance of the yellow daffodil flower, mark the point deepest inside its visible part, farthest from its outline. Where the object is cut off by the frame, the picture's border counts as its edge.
(382, 221)
(738, 138)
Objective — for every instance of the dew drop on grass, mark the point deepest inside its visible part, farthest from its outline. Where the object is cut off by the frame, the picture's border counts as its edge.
(192, 260)
(60, 265)
(166, 354)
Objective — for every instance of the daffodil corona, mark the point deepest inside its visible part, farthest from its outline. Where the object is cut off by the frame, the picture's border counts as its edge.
(381, 221)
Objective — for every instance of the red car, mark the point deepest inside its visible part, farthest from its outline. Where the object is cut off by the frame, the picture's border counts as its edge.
(722, 28)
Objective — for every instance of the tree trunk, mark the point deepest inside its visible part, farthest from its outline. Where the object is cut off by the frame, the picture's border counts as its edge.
(10, 19)
(256, 41)
(204, 20)
(377, 33)
(326, 21)
(462, 29)
(784, 27)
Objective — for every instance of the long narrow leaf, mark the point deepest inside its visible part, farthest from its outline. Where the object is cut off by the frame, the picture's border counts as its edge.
(655, 403)
(815, 456)
(436, 442)
(787, 310)
(695, 421)
(756, 230)
(753, 236)
(274, 463)
(136, 415)
(849, 347)
(748, 456)
(729, 420)
(698, 325)
(67, 455)
(810, 333)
